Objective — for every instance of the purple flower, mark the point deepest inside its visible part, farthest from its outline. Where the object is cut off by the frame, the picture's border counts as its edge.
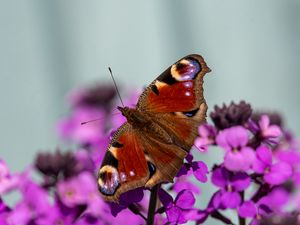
(264, 131)
(207, 137)
(256, 211)
(126, 199)
(4, 210)
(198, 168)
(274, 173)
(177, 211)
(72, 129)
(267, 130)
(183, 183)
(273, 202)
(213, 205)
(238, 156)
(7, 181)
(35, 204)
(72, 192)
(230, 184)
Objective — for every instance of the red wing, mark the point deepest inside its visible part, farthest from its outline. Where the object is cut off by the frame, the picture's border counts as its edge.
(166, 159)
(134, 160)
(124, 166)
(178, 89)
(182, 127)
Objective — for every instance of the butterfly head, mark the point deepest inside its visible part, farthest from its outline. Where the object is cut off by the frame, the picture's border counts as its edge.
(133, 116)
(124, 110)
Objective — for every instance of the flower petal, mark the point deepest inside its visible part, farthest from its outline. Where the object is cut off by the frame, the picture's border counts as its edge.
(185, 199)
(279, 173)
(220, 177)
(173, 214)
(240, 181)
(272, 131)
(264, 154)
(231, 199)
(247, 210)
(264, 122)
(200, 170)
(164, 197)
(239, 161)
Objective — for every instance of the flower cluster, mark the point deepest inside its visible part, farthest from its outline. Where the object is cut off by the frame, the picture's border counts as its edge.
(258, 177)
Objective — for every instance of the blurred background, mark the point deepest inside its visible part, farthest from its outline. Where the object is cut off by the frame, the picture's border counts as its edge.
(49, 48)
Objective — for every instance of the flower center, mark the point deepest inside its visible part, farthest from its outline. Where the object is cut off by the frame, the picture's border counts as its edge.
(229, 188)
(267, 170)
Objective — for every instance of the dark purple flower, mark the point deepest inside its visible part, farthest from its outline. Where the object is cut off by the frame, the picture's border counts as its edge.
(232, 115)
(61, 165)
(97, 96)
(230, 184)
(274, 173)
(238, 156)
(126, 199)
(177, 210)
(207, 135)
(198, 168)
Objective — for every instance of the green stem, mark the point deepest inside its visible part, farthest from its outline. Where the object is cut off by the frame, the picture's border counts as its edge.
(152, 205)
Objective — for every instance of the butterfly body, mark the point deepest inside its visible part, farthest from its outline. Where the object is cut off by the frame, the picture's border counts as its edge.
(150, 147)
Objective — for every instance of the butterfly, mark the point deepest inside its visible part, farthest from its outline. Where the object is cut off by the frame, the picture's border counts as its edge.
(150, 147)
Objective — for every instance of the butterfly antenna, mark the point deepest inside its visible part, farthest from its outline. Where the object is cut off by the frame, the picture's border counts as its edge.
(89, 121)
(111, 74)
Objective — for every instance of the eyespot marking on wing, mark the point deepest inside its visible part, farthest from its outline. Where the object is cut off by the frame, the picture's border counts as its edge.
(185, 69)
(108, 180)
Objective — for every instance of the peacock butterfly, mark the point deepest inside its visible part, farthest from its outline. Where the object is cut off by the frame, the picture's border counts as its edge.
(150, 147)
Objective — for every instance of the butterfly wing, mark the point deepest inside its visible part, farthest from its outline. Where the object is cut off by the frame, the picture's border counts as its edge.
(124, 166)
(175, 99)
(133, 160)
(178, 89)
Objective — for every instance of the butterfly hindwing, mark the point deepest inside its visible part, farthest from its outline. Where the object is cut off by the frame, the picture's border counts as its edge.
(124, 166)
(133, 160)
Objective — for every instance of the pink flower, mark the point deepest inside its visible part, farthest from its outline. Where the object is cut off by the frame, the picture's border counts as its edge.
(274, 173)
(238, 156)
(207, 137)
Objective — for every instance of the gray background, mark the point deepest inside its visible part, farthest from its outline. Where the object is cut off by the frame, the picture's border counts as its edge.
(51, 47)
